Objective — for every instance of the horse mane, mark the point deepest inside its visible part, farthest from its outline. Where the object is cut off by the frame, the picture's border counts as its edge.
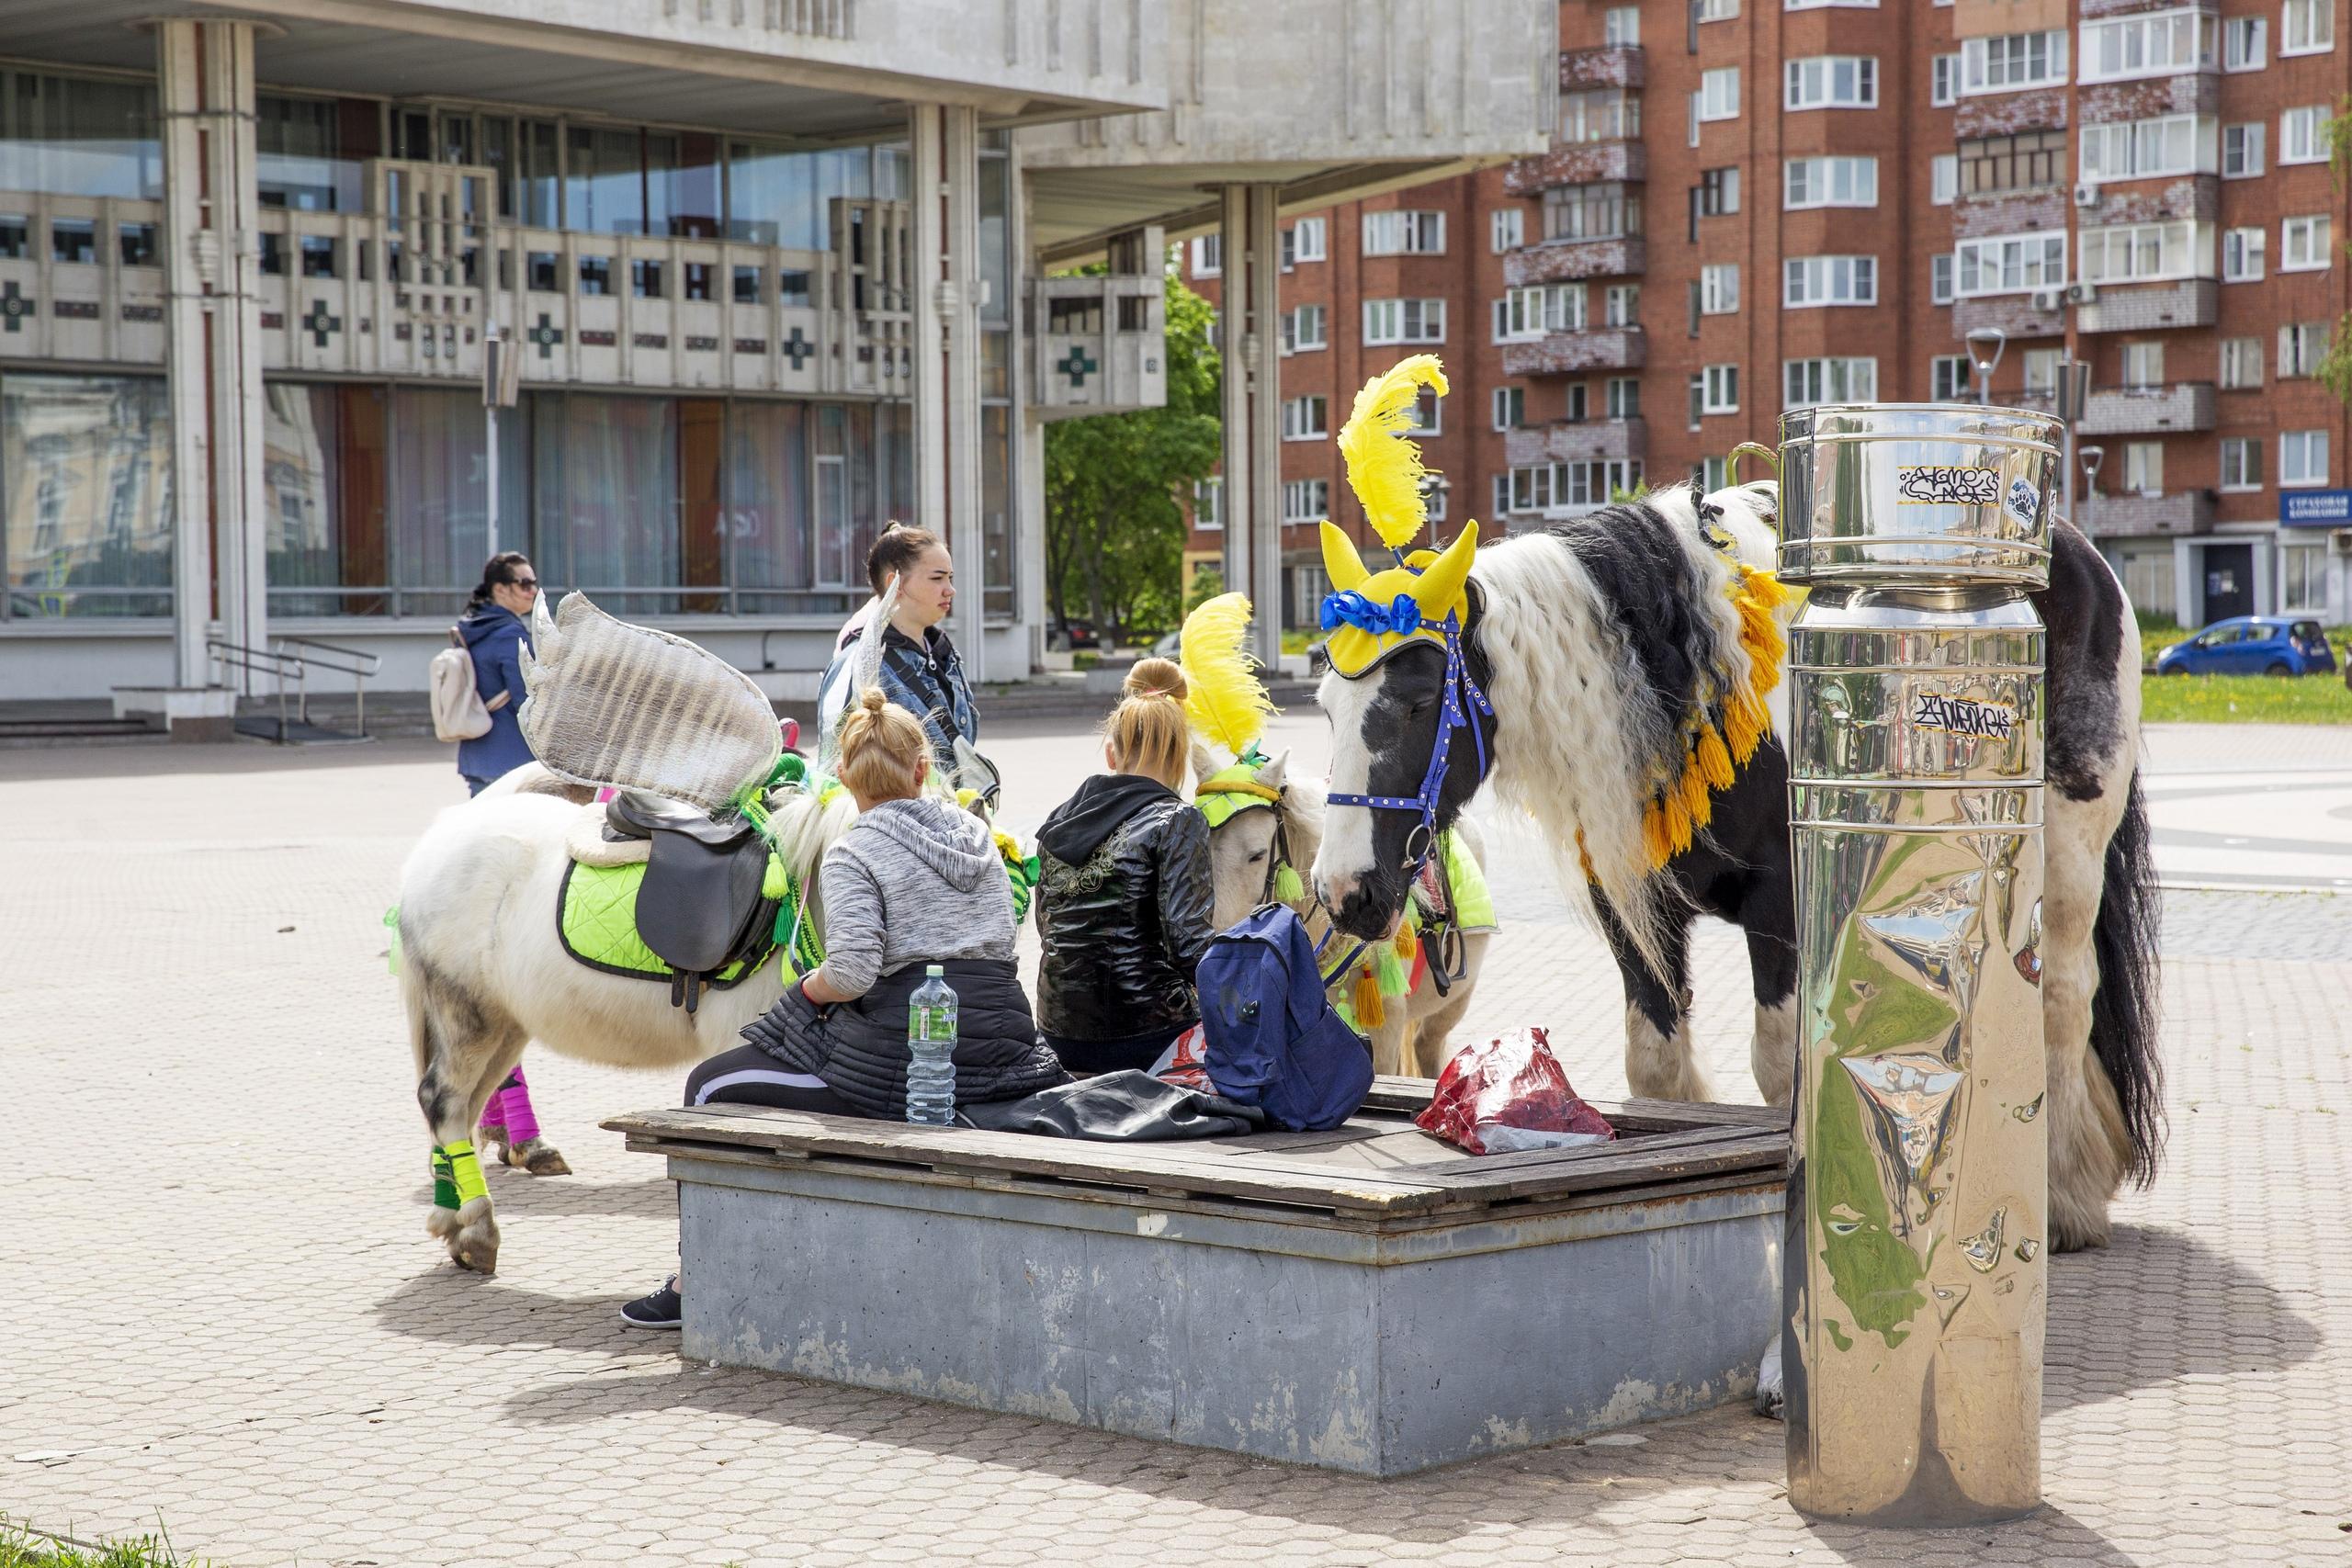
(804, 824)
(1604, 636)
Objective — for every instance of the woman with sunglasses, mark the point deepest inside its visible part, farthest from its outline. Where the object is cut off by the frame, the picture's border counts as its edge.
(496, 630)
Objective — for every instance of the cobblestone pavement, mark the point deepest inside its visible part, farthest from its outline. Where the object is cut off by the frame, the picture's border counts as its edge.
(225, 1311)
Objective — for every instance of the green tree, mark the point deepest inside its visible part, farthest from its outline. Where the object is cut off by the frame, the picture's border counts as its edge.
(2335, 369)
(1118, 485)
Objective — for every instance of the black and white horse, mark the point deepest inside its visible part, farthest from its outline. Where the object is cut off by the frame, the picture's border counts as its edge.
(1593, 639)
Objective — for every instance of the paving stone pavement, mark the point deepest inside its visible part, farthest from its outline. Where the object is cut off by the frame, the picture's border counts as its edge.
(226, 1313)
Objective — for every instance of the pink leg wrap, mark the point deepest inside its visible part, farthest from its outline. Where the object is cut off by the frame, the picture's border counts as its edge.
(522, 1126)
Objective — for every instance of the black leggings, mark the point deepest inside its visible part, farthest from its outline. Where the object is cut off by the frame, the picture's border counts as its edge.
(749, 1076)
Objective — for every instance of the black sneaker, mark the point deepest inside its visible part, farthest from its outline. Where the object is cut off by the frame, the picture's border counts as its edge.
(663, 1309)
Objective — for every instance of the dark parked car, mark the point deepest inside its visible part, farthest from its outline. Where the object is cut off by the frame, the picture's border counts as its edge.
(2251, 645)
(1069, 635)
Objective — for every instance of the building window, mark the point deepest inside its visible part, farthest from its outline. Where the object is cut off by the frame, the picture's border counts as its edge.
(1303, 329)
(2303, 578)
(2241, 463)
(1600, 114)
(1719, 94)
(2145, 148)
(1425, 414)
(1943, 89)
(1433, 494)
(1403, 321)
(1948, 379)
(2139, 253)
(2012, 62)
(2245, 43)
(2302, 459)
(1943, 178)
(2033, 160)
(1718, 192)
(1511, 407)
(2011, 263)
(1404, 233)
(1208, 255)
(1716, 10)
(1208, 504)
(1563, 488)
(1303, 242)
(2306, 27)
(1718, 291)
(2302, 346)
(1523, 313)
(1306, 501)
(89, 523)
(1623, 398)
(1831, 82)
(1828, 182)
(2303, 244)
(2151, 44)
(2300, 138)
(1939, 283)
(1828, 280)
(1804, 382)
(2242, 254)
(2041, 371)
(1719, 390)
(1606, 210)
(2144, 468)
(2241, 150)
(1620, 305)
(1306, 419)
(1506, 229)
(2241, 363)
(1823, 5)
(2143, 365)
(1621, 27)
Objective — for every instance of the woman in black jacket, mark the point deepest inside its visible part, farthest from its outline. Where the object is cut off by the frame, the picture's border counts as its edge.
(1124, 905)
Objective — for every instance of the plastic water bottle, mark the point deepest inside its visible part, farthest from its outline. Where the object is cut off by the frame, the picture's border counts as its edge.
(930, 1051)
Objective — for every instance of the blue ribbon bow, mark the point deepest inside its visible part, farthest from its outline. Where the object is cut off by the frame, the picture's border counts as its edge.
(1351, 608)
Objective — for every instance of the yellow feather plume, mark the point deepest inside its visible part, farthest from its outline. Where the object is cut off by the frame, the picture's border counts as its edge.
(1224, 699)
(1383, 464)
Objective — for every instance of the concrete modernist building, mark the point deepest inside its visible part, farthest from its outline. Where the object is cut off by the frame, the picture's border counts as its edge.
(305, 304)
(1752, 205)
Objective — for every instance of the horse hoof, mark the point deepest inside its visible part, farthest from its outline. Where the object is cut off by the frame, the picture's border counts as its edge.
(1771, 1387)
(540, 1158)
(474, 1244)
(441, 1223)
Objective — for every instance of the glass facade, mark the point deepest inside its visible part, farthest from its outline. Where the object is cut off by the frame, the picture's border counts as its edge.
(85, 492)
(79, 136)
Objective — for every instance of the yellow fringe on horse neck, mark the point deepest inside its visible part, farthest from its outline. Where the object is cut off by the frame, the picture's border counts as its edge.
(1678, 808)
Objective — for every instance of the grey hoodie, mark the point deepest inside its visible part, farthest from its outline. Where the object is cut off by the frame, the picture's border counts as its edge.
(914, 881)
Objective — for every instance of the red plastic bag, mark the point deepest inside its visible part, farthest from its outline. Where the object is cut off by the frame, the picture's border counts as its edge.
(1508, 1094)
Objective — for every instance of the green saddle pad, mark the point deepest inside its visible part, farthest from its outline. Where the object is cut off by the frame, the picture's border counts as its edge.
(596, 917)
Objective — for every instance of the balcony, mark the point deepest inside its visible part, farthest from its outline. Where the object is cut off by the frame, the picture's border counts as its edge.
(2014, 314)
(2150, 307)
(2148, 517)
(2191, 92)
(2197, 196)
(1567, 261)
(2004, 114)
(1578, 441)
(1618, 67)
(2008, 213)
(1561, 353)
(2149, 411)
(1583, 162)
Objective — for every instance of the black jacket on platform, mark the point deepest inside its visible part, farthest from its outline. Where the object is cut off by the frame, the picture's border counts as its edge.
(859, 1048)
(1125, 910)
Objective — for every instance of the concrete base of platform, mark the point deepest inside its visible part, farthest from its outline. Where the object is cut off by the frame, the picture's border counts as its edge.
(201, 714)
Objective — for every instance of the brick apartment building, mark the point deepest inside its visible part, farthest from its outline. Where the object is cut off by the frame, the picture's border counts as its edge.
(1753, 205)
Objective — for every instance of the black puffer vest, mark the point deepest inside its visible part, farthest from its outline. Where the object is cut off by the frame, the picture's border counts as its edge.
(859, 1048)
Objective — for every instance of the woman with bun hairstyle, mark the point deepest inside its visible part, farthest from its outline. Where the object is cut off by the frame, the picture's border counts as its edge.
(1125, 906)
(917, 880)
(921, 670)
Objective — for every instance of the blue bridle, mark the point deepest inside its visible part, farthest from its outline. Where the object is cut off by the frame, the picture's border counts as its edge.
(1464, 701)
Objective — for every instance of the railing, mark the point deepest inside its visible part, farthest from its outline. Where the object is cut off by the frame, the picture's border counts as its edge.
(295, 658)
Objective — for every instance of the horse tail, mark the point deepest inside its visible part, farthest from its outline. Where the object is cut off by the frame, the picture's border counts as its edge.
(2125, 1009)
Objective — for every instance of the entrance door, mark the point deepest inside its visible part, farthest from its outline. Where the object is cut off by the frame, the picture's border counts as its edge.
(2229, 581)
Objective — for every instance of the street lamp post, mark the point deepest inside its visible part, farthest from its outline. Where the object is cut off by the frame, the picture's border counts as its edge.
(2090, 458)
(1984, 348)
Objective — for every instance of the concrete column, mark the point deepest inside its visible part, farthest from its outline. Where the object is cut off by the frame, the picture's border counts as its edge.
(211, 262)
(960, 302)
(1252, 407)
(925, 174)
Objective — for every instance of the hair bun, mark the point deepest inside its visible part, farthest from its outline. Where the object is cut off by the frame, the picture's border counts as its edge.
(872, 700)
(1157, 678)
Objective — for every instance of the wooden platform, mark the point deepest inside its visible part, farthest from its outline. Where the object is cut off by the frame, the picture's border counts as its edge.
(1165, 1288)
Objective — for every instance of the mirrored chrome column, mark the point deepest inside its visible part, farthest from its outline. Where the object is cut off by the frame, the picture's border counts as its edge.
(1913, 1277)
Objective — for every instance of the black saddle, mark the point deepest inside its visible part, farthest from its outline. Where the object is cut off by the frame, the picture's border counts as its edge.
(699, 908)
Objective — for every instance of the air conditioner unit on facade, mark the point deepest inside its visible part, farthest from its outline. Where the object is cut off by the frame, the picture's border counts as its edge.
(2340, 541)
(2081, 293)
(2086, 195)
(2049, 299)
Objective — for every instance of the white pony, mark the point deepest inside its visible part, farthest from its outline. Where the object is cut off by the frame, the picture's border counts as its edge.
(483, 970)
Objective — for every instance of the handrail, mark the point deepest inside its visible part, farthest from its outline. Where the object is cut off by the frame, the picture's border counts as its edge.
(288, 658)
(372, 664)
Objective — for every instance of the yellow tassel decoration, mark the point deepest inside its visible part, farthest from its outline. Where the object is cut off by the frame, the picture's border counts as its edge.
(1714, 760)
(1365, 1001)
(1695, 799)
(1744, 725)
(1408, 941)
(1385, 465)
(1654, 833)
(1226, 701)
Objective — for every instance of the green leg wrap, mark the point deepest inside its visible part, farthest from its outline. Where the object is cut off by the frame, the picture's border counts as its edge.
(444, 1184)
(464, 1170)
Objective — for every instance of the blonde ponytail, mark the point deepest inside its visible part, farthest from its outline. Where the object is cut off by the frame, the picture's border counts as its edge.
(1148, 731)
(882, 746)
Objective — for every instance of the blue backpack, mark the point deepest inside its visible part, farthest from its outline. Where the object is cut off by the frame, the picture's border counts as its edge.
(1274, 1041)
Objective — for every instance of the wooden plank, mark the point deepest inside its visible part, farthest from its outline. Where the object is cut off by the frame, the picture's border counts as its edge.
(1131, 1165)
(1409, 1097)
(1764, 1153)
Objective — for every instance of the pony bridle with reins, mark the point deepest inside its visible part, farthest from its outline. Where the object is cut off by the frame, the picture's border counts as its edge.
(1463, 702)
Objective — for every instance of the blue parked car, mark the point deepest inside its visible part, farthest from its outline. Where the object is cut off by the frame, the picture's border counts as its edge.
(2251, 645)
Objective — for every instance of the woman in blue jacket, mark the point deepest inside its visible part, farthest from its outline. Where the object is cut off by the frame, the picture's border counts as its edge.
(496, 630)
